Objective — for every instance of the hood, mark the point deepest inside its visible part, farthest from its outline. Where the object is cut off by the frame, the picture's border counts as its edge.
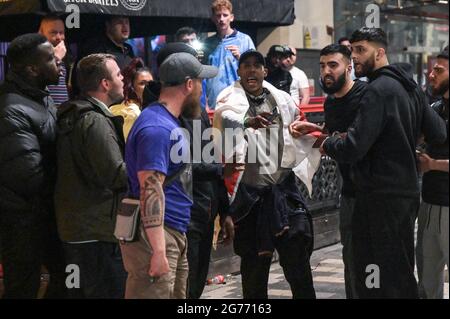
(69, 113)
(402, 72)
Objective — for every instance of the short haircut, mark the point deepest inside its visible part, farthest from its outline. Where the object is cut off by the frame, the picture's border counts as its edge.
(337, 48)
(221, 4)
(91, 70)
(50, 18)
(23, 50)
(184, 31)
(343, 39)
(375, 35)
(443, 54)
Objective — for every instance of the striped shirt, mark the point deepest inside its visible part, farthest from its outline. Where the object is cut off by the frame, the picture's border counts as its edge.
(59, 92)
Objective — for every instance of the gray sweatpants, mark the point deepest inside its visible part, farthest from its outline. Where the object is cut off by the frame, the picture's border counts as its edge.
(432, 250)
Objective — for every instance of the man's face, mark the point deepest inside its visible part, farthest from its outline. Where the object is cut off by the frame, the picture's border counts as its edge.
(188, 38)
(347, 44)
(286, 62)
(252, 74)
(363, 55)
(191, 105)
(118, 29)
(439, 77)
(334, 71)
(46, 68)
(54, 31)
(115, 91)
(277, 60)
(222, 18)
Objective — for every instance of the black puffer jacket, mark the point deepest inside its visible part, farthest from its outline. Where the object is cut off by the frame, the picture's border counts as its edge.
(27, 146)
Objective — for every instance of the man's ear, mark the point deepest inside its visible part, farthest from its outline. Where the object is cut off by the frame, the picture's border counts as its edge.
(381, 53)
(104, 84)
(266, 72)
(32, 70)
(232, 17)
(189, 86)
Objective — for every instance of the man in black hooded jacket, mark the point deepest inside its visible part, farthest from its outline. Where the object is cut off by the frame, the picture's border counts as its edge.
(381, 146)
(27, 171)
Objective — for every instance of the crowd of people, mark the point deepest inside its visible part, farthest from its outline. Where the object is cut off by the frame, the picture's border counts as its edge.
(86, 139)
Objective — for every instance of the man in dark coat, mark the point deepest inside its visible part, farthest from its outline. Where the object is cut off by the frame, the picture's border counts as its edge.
(381, 146)
(27, 170)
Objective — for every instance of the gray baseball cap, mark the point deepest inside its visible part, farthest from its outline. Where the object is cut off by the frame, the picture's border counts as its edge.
(178, 67)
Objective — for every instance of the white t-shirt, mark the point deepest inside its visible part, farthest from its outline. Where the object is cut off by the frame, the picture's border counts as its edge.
(299, 81)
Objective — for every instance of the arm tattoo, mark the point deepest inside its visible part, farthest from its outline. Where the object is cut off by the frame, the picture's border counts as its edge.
(152, 201)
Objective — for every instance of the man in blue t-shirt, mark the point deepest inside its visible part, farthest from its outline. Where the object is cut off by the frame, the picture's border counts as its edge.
(224, 49)
(157, 151)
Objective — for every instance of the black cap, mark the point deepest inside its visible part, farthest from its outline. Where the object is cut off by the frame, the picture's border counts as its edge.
(174, 47)
(444, 53)
(278, 49)
(259, 57)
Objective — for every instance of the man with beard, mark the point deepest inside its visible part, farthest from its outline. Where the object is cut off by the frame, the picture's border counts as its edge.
(381, 147)
(157, 150)
(432, 237)
(91, 178)
(27, 171)
(341, 108)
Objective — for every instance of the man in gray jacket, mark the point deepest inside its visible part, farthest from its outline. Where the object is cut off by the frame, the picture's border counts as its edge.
(91, 178)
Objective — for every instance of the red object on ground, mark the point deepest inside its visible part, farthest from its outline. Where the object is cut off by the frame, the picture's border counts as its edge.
(1, 271)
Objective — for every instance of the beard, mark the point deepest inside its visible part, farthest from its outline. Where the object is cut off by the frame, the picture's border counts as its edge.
(440, 89)
(336, 86)
(366, 67)
(191, 108)
(115, 97)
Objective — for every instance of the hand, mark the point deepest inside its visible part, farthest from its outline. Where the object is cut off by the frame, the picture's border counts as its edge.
(159, 265)
(425, 163)
(227, 229)
(259, 121)
(230, 168)
(234, 51)
(60, 51)
(301, 128)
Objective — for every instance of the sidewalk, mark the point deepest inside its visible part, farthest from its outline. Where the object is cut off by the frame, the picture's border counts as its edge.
(328, 273)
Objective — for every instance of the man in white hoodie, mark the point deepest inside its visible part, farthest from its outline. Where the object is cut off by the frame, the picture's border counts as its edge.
(268, 210)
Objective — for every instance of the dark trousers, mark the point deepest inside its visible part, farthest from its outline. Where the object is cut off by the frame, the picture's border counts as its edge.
(383, 236)
(255, 269)
(345, 229)
(102, 274)
(200, 239)
(28, 241)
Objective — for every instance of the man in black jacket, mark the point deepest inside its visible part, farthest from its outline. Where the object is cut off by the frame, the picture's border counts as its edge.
(381, 146)
(27, 170)
(341, 108)
(432, 235)
(92, 178)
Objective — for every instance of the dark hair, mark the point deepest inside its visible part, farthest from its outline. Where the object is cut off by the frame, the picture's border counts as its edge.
(375, 35)
(443, 54)
(343, 39)
(337, 48)
(51, 17)
(23, 50)
(91, 70)
(183, 31)
(130, 73)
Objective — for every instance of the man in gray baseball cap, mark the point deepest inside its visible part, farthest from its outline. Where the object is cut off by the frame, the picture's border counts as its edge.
(156, 261)
(179, 67)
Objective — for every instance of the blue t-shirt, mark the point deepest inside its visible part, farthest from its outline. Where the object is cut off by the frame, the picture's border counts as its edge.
(156, 142)
(218, 55)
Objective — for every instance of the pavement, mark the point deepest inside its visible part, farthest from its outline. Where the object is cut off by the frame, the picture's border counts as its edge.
(328, 273)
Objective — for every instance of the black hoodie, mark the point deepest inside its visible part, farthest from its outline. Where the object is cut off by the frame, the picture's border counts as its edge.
(381, 144)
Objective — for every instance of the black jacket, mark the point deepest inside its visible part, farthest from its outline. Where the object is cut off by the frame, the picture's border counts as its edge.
(435, 183)
(91, 171)
(27, 146)
(209, 191)
(382, 141)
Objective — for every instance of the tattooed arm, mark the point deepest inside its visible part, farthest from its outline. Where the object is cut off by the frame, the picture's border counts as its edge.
(152, 216)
